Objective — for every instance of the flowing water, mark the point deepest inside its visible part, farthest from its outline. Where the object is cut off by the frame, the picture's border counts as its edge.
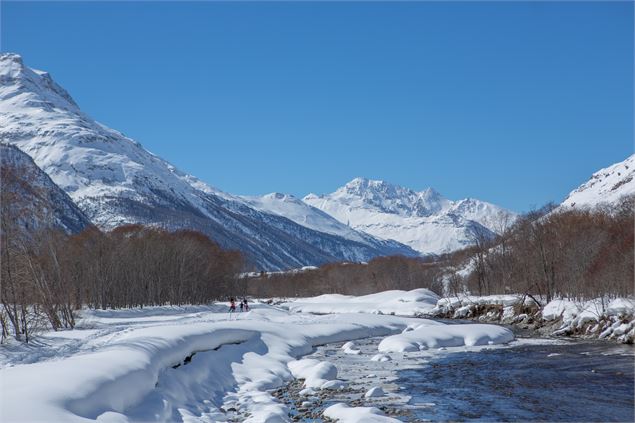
(529, 380)
(578, 381)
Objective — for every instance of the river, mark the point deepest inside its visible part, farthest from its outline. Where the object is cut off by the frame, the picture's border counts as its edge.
(568, 381)
(529, 380)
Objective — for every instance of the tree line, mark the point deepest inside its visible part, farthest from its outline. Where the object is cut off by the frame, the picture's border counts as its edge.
(547, 253)
(576, 253)
(48, 276)
(379, 274)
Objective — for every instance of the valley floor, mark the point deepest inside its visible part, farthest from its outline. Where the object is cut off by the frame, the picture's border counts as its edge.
(195, 363)
(201, 364)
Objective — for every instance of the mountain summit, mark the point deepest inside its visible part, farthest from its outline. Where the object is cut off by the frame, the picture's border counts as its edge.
(391, 198)
(424, 220)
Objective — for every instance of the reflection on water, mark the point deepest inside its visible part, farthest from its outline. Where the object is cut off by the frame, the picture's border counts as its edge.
(574, 381)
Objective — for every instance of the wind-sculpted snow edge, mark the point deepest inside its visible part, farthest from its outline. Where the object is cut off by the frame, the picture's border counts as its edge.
(144, 372)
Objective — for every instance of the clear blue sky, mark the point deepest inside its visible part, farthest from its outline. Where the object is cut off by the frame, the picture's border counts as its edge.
(514, 103)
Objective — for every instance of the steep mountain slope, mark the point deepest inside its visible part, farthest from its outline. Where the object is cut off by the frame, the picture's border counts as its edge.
(607, 185)
(293, 208)
(426, 221)
(114, 180)
(31, 198)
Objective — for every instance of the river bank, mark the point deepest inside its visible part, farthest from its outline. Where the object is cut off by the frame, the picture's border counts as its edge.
(600, 318)
(614, 321)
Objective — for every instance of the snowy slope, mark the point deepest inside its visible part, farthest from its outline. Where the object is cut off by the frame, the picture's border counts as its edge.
(32, 199)
(426, 221)
(114, 180)
(293, 208)
(607, 185)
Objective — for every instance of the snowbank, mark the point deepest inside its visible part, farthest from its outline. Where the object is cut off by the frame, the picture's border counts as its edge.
(459, 301)
(345, 414)
(621, 307)
(314, 372)
(599, 317)
(194, 364)
(178, 369)
(615, 320)
(426, 336)
(400, 303)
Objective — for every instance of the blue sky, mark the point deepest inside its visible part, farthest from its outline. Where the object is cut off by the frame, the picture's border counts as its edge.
(514, 103)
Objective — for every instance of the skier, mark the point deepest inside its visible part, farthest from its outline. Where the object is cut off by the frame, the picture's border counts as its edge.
(241, 306)
(246, 304)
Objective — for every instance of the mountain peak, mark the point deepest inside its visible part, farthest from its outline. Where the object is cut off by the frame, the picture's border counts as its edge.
(389, 198)
(30, 87)
(364, 187)
(11, 65)
(10, 57)
(424, 220)
(364, 183)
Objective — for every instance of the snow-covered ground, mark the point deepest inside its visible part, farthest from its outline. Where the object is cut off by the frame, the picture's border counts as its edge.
(600, 317)
(400, 303)
(194, 363)
(197, 364)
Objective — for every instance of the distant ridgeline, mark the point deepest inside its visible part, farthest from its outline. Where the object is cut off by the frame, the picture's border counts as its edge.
(115, 181)
(571, 252)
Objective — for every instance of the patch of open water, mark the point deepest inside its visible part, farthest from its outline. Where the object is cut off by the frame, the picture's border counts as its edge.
(569, 381)
(528, 380)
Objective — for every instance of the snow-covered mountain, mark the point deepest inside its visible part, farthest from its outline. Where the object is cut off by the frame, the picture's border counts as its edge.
(31, 198)
(426, 221)
(607, 185)
(293, 208)
(114, 180)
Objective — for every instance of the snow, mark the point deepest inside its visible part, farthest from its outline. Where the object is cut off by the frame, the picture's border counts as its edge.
(426, 221)
(464, 299)
(559, 308)
(188, 363)
(381, 358)
(345, 414)
(350, 348)
(129, 371)
(577, 313)
(398, 302)
(607, 319)
(428, 336)
(303, 214)
(315, 373)
(298, 211)
(374, 392)
(607, 185)
(463, 305)
(595, 317)
(621, 307)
